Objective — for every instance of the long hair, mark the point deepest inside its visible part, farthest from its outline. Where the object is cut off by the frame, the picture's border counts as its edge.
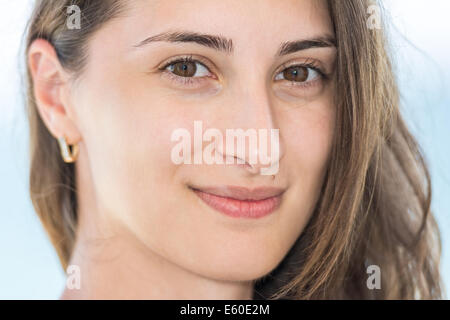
(374, 206)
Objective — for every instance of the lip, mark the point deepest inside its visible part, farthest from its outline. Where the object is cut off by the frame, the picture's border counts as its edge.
(241, 202)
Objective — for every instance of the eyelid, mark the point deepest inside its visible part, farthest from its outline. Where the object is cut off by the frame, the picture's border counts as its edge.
(308, 63)
(184, 81)
(184, 58)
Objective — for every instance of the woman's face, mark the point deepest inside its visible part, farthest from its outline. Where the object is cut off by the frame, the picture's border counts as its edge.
(130, 99)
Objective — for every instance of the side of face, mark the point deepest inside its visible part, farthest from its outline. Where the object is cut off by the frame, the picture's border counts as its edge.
(125, 110)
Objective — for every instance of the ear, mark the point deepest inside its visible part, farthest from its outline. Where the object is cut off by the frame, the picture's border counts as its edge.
(50, 88)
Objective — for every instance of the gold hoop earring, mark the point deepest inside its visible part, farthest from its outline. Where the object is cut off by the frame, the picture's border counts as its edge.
(67, 154)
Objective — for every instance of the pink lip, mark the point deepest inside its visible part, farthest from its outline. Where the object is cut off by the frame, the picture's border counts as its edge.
(241, 202)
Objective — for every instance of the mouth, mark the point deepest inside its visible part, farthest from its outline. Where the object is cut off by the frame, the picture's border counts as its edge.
(241, 202)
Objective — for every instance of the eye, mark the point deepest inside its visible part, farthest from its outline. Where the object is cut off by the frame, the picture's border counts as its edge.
(300, 74)
(187, 68)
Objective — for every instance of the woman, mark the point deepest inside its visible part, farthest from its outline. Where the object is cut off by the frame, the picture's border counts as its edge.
(350, 192)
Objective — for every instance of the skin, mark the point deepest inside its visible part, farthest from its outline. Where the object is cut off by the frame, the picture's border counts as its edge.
(142, 232)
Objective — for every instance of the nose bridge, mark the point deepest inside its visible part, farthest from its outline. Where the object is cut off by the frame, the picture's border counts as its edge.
(253, 106)
(254, 112)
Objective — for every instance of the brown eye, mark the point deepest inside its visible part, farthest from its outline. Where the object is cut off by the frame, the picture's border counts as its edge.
(296, 73)
(184, 68)
(299, 74)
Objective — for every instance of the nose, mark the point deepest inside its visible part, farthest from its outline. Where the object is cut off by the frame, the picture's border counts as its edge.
(253, 138)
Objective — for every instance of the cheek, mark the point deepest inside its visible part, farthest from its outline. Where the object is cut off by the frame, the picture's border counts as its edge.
(127, 133)
(309, 135)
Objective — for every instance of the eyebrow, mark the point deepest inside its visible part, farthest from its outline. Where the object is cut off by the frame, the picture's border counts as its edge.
(225, 45)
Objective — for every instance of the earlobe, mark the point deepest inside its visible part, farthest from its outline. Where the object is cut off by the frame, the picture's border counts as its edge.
(49, 81)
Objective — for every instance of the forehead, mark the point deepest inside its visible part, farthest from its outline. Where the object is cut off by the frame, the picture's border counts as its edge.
(259, 22)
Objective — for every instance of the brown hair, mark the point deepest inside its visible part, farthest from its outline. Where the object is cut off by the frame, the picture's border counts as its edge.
(374, 207)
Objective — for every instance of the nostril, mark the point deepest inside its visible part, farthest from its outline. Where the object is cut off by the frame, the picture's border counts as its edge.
(237, 161)
(252, 169)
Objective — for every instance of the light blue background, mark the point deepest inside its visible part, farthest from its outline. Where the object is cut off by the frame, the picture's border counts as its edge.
(29, 268)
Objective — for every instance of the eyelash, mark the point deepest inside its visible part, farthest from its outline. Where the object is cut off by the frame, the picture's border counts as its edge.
(191, 81)
(310, 64)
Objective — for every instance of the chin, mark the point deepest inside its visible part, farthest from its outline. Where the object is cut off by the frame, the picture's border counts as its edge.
(245, 268)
